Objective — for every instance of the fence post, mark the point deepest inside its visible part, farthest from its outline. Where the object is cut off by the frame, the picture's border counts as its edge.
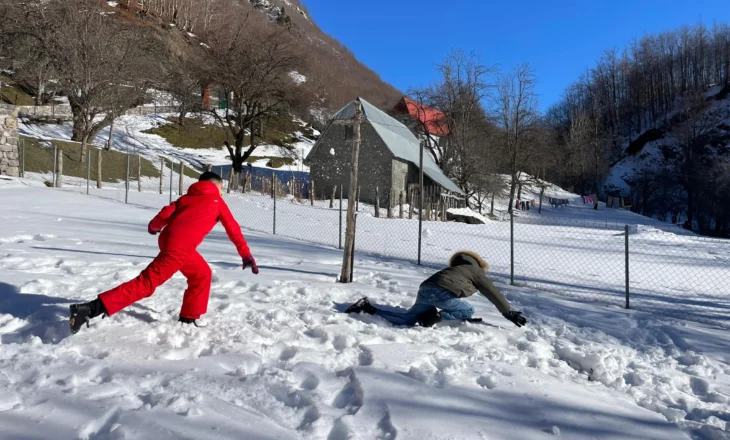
(98, 168)
(55, 165)
(420, 201)
(311, 193)
(626, 247)
(162, 172)
(390, 204)
(230, 180)
(88, 170)
(340, 246)
(357, 205)
(139, 174)
(22, 158)
(377, 201)
(400, 204)
(126, 183)
(512, 248)
(273, 192)
(59, 176)
(182, 173)
(172, 169)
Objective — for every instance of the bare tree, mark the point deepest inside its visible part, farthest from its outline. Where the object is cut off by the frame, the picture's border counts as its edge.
(516, 114)
(252, 63)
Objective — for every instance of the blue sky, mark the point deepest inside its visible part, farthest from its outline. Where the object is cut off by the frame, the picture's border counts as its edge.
(403, 40)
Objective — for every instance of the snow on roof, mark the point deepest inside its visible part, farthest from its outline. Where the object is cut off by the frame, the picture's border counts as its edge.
(399, 140)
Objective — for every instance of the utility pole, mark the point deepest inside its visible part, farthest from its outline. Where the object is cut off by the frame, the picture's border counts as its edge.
(347, 263)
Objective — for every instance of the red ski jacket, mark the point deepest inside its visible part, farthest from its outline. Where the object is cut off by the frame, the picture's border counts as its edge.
(185, 222)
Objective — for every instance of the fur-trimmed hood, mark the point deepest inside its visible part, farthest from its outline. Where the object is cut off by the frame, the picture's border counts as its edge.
(458, 259)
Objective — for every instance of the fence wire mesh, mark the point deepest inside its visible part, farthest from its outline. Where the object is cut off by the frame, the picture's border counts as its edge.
(670, 271)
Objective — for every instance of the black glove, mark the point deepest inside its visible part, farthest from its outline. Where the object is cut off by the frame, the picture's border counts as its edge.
(516, 317)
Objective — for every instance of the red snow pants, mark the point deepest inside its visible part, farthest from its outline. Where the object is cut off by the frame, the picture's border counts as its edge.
(163, 267)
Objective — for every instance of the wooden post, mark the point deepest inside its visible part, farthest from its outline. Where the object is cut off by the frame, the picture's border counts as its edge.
(59, 169)
(400, 204)
(311, 193)
(230, 181)
(162, 172)
(377, 202)
(347, 263)
(357, 207)
(98, 169)
(182, 174)
(410, 206)
(444, 213)
(139, 174)
(390, 204)
(332, 199)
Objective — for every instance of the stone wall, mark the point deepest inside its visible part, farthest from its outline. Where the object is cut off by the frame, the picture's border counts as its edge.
(9, 159)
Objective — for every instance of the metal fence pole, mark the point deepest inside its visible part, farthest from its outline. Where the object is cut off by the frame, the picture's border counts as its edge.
(626, 246)
(420, 202)
(88, 170)
(340, 246)
(126, 183)
(512, 247)
(273, 191)
(55, 163)
(172, 168)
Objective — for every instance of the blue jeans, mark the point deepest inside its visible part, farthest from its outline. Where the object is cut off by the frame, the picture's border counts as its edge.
(452, 307)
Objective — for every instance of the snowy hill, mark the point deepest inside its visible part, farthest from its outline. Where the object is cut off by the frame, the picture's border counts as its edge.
(277, 360)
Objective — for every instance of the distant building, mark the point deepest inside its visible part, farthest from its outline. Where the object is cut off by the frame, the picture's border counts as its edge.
(425, 118)
(389, 157)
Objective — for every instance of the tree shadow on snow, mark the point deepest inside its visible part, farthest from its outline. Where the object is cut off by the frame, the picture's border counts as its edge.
(80, 251)
(35, 315)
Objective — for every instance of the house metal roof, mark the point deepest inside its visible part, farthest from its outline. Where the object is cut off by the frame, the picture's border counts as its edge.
(399, 140)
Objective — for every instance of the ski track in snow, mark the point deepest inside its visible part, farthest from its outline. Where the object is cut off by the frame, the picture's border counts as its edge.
(277, 361)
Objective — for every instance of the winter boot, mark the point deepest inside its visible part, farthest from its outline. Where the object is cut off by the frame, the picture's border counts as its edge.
(83, 313)
(362, 306)
(188, 321)
(429, 318)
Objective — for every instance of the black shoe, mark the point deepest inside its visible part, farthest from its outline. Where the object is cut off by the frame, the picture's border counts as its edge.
(83, 313)
(362, 305)
(474, 320)
(429, 318)
(188, 321)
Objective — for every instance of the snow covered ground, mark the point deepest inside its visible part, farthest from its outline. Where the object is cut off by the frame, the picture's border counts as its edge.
(129, 136)
(277, 360)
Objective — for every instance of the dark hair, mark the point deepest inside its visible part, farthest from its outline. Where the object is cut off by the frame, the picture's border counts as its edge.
(210, 176)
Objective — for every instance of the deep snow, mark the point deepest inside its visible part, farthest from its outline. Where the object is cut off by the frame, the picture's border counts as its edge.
(277, 360)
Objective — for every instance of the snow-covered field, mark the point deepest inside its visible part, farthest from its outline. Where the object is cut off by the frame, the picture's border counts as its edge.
(572, 250)
(129, 136)
(277, 360)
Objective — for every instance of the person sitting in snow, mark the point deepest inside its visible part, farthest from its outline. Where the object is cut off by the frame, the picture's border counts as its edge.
(440, 297)
(184, 223)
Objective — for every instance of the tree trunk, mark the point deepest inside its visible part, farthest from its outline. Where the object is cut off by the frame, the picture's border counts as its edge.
(390, 204)
(332, 199)
(162, 172)
(491, 208)
(400, 204)
(139, 174)
(542, 192)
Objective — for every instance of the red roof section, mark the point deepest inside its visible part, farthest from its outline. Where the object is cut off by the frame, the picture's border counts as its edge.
(434, 120)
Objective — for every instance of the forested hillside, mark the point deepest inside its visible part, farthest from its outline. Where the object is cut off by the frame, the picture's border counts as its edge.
(651, 123)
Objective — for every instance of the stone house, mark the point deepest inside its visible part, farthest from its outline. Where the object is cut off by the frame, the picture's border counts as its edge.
(389, 157)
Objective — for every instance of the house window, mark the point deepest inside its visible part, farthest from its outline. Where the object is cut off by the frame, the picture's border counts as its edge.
(348, 133)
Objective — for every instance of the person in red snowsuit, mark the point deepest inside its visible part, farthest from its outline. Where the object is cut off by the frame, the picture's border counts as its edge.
(184, 224)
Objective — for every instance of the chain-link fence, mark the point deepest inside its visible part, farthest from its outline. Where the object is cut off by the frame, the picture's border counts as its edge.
(650, 268)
